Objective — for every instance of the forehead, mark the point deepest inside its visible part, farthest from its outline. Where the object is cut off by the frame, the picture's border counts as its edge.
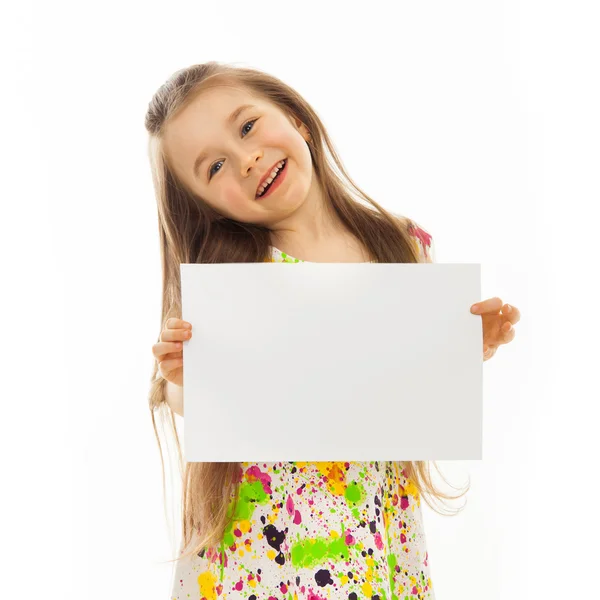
(204, 121)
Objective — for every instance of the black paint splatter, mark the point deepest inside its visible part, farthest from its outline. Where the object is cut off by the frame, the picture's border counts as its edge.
(323, 577)
(275, 539)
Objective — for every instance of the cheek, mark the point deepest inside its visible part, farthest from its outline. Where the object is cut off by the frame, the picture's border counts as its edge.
(285, 141)
(232, 197)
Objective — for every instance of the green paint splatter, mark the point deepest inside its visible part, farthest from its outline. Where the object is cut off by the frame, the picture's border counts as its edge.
(310, 552)
(392, 561)
(251, 493)
(355, 494)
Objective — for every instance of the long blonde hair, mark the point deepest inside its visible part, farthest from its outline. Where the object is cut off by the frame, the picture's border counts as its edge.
(190, 231)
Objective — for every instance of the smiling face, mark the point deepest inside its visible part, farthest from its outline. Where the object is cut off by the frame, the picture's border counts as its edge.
(224, 161)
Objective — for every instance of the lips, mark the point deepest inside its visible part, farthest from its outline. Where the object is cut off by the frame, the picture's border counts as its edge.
(267, 174)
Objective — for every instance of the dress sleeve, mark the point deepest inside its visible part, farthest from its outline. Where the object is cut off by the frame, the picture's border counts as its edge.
(424, 242)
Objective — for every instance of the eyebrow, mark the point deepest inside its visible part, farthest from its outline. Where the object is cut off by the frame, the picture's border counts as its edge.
(230, 120)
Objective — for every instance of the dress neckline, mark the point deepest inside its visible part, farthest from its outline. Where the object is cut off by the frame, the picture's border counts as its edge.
(290, 258)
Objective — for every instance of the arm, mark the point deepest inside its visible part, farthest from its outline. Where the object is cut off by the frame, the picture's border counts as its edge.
(174, 397)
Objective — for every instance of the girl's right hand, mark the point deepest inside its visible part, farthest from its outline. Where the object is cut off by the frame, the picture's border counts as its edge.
(169, 351)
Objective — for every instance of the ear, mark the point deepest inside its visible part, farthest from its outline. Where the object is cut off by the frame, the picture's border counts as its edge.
(302, 128)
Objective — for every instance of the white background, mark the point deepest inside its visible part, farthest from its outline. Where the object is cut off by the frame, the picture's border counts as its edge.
(478, 119)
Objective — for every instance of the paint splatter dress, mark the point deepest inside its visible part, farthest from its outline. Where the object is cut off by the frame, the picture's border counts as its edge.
(317, 531)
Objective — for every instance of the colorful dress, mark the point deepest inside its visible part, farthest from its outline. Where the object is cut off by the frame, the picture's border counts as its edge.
(317, 531)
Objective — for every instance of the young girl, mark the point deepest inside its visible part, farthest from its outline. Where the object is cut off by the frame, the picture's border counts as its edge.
(241, 174)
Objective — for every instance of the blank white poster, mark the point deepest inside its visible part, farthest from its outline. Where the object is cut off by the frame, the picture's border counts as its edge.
(332, 361)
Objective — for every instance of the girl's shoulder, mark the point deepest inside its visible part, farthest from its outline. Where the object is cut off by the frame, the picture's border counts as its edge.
(421, 238)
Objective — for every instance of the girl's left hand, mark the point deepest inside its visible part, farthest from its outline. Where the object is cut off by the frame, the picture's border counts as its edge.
(498, 321)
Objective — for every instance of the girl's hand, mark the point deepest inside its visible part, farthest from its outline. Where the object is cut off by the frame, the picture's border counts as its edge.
(169, 351)
(498, 321)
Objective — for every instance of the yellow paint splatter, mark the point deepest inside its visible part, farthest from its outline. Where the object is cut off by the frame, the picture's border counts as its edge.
(206, 582)
(244, 526)
(271, 554)
(335, 473)
(367, 589)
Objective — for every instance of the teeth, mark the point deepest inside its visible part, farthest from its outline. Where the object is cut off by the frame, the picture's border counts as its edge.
(269, 179)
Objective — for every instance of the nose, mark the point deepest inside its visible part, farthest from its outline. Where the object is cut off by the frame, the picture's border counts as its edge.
(250, 162)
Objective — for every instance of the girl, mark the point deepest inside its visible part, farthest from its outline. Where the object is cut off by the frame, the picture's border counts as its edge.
(241, 174)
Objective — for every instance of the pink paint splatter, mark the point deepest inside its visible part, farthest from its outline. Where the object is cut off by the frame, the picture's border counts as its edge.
(313, 596)
(289, 505)
(283, 588)
(253, 473)
(378, 541)
(238, 476)
(404, 502)
(349, 539)
(297, 518)
(239, 585)
(414, 591)
(403, 538)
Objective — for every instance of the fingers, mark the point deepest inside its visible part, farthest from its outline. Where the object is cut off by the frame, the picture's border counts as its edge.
(176, 332)
(488, 352)
(512, 313)
(174, 323)
(509, 335)
(168, 365)
(175, 335)
(162, 349)
(492, 305)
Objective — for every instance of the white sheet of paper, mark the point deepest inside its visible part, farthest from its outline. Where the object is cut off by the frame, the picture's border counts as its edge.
(332, 361)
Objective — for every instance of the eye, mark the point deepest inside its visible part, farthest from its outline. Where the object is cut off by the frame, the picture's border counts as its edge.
(210, 173)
